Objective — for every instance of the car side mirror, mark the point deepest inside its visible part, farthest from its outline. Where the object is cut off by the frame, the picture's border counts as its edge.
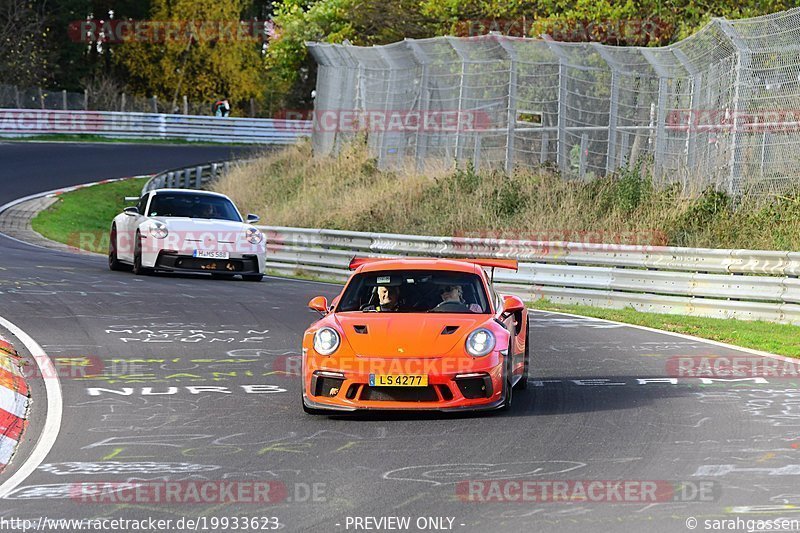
(132, 211)
(253, 219)
(511, 305)
(319, 304)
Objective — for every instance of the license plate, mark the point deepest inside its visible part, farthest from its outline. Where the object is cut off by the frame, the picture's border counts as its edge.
(398, 380)
(210, 254)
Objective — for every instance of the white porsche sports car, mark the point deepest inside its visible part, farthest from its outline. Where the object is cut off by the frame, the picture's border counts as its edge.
(178, 230)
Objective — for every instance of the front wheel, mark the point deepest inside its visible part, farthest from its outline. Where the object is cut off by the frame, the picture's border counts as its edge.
(113, 261)
(508, 389)
(522, 384)
(138, 269)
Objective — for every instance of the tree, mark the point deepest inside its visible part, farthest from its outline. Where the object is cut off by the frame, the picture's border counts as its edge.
(23, 33)
(197, 48)
(361, 22)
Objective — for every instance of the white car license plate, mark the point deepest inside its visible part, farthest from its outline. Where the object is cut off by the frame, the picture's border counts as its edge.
(210, 254)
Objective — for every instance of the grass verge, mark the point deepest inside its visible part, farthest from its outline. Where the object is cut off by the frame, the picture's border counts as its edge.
(82, 218)
(292, 188)
(781, 339)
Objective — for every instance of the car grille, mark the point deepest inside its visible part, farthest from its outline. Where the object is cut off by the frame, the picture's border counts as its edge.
(194, 263)
(399, 394)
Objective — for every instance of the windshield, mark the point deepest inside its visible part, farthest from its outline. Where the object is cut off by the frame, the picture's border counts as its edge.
(415, 291)
(193, 206)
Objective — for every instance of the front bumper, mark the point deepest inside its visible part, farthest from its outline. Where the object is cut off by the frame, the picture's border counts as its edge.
(473, 389)
(175, 262)
(349, 409)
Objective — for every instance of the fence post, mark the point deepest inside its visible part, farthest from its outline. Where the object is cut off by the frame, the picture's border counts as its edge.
(41, 98)
(543, 148)
(661, 130)
(185, 105)
(214, 167)
(64, 99)
(476, 152)
(562, 157)
(661, 110)
(170, 180)
(421, 142)
(383, 147)
(460, 99)
(512, 101)
(696, 78)
(122, 103)
(86, 100)
(198, 182)
(613, 107)
(624, 150)
(154, 101)
(582, 161)
(743, 59)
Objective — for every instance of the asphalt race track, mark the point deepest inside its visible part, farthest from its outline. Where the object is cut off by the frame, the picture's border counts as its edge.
(190, 380)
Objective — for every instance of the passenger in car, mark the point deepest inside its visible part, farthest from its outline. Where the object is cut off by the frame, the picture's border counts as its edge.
(455, 294)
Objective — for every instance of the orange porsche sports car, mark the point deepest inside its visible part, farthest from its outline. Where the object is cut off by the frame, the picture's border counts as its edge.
(416, 333)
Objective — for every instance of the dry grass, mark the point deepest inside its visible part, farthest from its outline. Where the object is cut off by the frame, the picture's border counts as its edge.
(292, 188)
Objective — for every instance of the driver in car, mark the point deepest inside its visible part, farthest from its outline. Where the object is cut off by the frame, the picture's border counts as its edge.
(209, 211)
(388, 299)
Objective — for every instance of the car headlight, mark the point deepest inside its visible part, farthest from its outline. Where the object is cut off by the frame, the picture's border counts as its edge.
(253, 236)
(158, 230)
(326, 341)
(480, 342)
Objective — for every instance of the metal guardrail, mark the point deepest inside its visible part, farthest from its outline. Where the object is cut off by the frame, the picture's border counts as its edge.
(195, 177)
(742, 284)
(27, 122)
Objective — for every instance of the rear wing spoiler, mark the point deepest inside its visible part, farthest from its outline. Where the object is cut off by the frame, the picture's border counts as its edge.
(511, 264)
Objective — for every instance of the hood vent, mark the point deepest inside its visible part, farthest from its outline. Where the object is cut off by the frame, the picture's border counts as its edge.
(362, 330)
(449, 330)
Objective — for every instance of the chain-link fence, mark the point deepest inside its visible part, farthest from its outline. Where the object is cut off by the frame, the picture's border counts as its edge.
(13, 97)
(721, 107)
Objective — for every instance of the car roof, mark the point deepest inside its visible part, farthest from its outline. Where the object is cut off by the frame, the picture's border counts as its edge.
(450, 265)
(188, 192)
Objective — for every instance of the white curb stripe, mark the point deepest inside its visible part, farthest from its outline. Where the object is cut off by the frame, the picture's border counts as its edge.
(55, 405)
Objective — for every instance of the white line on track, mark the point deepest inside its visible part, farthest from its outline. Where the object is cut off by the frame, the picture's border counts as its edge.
(679, 335)
(52, 423)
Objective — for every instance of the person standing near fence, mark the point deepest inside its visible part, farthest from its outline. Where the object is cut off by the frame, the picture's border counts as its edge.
(221, 108)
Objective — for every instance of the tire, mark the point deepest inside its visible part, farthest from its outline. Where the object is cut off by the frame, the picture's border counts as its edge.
(522, 384)
(508, 389)
(138, 269)
(113, 262)
(252, 277)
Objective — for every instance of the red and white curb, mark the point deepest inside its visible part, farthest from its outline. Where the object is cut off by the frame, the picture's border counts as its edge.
(55, 193)
(14, 399)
